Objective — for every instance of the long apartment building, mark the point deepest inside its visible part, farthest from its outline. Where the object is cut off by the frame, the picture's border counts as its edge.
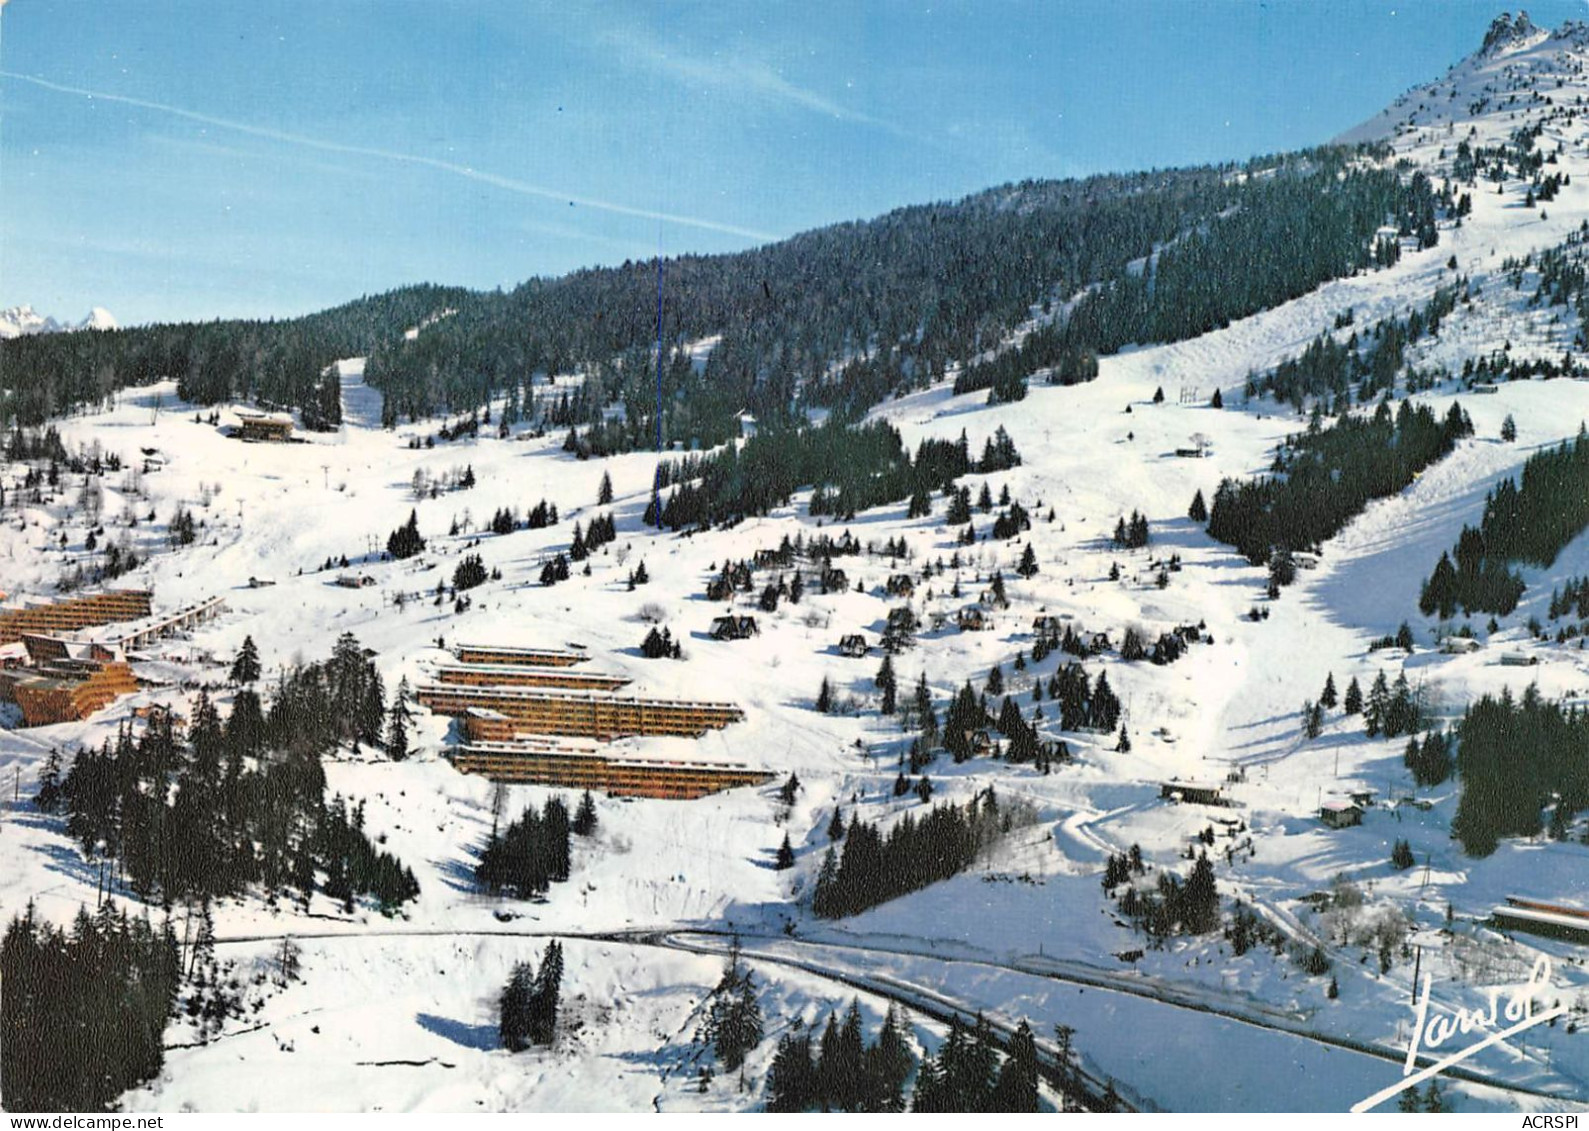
(75, 613)
(522, 657)
(546, 763)
(534, 710)
(519, 675)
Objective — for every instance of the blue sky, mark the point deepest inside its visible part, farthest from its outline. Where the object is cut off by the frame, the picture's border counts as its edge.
(207, 158)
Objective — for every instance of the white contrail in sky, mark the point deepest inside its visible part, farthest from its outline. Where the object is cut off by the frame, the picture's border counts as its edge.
(507, 184)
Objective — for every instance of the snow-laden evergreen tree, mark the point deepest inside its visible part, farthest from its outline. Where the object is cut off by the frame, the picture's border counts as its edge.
(733, 1021)
(513, 1009)
(245, 668)
(397, 723)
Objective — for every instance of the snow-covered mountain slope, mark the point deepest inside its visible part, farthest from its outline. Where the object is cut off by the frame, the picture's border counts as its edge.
(398, 1013)
(17, 321)
(1519, 72)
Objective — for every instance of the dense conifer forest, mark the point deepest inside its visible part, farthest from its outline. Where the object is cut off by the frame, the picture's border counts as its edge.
(241, 801)
(83, 1012)
(1144, 257)
(1514, 756)
(851, 468)
(1530, 523)
(1325, 476)
(875, 867)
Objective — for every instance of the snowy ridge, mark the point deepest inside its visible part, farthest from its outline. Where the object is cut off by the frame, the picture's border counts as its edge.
(17, 321)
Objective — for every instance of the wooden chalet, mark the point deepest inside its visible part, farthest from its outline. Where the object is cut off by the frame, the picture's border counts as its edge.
(1194, 793)
(854, 646)
(259, 427)
(734, 628)
(900, 585)
(1341, 814)
(971, 620)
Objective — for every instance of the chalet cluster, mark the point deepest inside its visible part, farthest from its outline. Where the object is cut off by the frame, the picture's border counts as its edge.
(524, 712)
(55, 674)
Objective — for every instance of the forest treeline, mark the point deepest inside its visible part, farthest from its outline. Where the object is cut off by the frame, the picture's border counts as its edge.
(1143, 257)
(1529, 523)
(1326, 476)
(241, 800)
(1515, 756)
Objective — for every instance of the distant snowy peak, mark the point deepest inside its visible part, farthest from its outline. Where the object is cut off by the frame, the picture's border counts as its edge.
(1507, 31)
(20, 320)
(1519, 69)
(98, 319)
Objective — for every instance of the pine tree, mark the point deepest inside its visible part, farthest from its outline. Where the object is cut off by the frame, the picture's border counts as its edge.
(1353, 703)
(604, 493)
(886, 684)
(926, 717)
(734, 1023)
(1218, 400)
(1401, 856)
(50, 796)
(1509, 429)
(825, 697)
(836, 825)
(785, 858)
(1201, 898)
(1198, 511)
(1123, 746)
(1327, 697)
(245, 668)
(543, 1001)
(1378, 705)
(892, 1061)
(1028, 565)
(584, 822)
(513, 1009)
(791, 1081)
(397, 723)
(1016, 1089)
